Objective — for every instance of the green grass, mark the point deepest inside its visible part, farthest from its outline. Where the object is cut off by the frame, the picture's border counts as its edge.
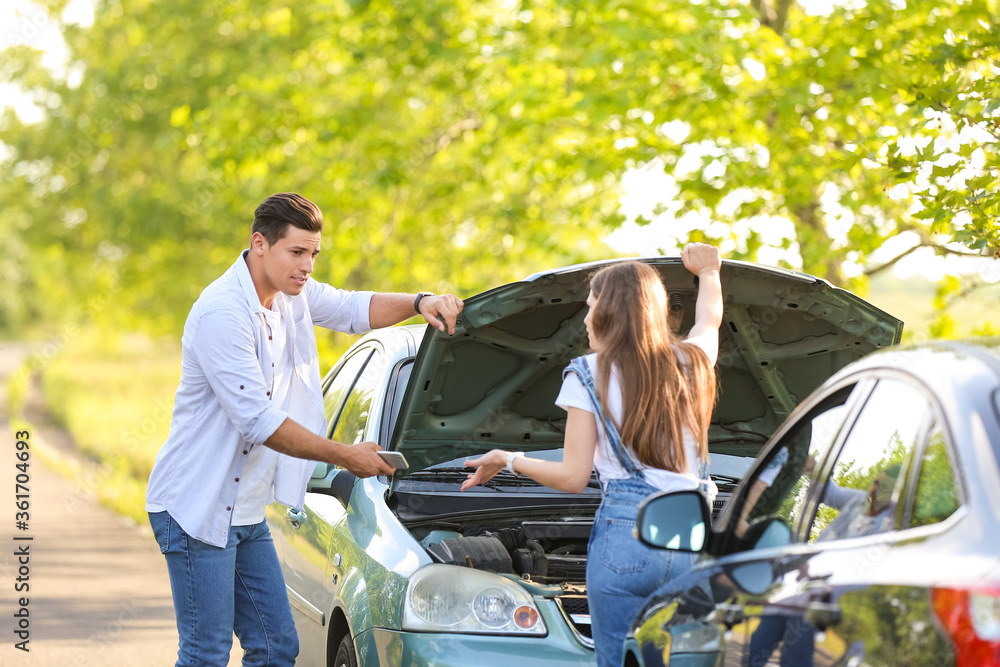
(115, 396)
(912, 300)
(16, 389)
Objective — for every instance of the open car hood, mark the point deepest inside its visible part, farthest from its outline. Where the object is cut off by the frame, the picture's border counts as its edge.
(494, 382)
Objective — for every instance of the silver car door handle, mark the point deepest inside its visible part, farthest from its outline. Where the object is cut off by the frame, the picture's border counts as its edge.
(296, 517)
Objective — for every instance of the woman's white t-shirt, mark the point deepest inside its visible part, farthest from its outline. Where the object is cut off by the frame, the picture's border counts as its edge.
(574, 395)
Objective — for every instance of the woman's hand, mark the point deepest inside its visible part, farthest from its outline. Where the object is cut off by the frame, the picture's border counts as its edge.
(704, 261)
(701, 257)
(487, 466)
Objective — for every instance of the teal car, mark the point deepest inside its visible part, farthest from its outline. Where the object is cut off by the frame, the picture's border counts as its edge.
(409, 571)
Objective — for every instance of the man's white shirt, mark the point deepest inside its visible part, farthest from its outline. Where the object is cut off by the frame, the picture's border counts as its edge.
(238, 385)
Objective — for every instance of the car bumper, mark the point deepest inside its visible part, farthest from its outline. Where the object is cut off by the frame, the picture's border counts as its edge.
(418, 649)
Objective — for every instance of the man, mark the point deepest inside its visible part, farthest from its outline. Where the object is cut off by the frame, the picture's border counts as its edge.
(246, 428)
(861, 512)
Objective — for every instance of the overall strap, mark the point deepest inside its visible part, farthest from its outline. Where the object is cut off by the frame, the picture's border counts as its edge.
(703, 477)
(582, 370)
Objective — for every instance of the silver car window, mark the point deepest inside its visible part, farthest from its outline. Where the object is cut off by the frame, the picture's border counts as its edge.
(350, 427)
(779, 488)
(860, 495)
(336, 391)
(937, 495)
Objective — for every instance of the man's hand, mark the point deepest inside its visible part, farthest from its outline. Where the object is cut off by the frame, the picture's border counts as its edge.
(446, 306)
(701, 257)
(362, 461)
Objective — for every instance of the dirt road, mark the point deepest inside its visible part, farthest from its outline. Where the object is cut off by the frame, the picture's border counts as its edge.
(97, 588)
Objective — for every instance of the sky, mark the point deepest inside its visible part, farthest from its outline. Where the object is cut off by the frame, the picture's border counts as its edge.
(24, 22)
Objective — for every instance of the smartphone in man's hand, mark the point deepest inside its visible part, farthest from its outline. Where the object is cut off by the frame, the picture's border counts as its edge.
(395, 459)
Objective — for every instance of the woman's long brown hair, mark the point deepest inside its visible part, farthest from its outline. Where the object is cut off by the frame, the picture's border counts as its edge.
(661, 393)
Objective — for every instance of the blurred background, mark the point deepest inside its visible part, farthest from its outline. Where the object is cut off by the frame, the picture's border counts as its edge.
(457, 145)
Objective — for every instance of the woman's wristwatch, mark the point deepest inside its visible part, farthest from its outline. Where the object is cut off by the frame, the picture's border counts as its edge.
(510, 462)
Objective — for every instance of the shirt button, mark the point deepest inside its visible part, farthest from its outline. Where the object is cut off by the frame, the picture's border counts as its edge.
(244, 451)
(237, 479)
(229, 509)
(241, 386)
(269, 338)
(268, 393)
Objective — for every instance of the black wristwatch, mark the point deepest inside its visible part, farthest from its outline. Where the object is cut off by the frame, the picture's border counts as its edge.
(416, 302)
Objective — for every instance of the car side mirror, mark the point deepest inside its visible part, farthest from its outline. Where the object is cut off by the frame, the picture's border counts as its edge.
(678, 521)
(757, 576)
(336, 482)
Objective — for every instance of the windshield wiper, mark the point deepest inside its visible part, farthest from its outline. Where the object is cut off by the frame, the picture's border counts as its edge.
(725, 479)
(457, 470)
(452, 469)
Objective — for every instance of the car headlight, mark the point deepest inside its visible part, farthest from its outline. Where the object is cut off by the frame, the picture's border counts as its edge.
(446, 598)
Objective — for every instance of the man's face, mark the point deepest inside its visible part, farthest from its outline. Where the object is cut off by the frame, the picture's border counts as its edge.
(288, 263)
(880, 493)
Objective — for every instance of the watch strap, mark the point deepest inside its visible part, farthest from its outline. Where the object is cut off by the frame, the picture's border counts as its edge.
(416, 302)
(513, 456)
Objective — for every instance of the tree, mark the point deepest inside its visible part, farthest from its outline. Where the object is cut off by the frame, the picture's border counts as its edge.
(454, 145)
(387, 117)
(844, 125)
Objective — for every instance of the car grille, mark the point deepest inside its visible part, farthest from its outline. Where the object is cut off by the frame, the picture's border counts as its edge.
(577, 612)
(719, 503)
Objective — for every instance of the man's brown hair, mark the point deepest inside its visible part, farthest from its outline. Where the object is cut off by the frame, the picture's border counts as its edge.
(279, 210)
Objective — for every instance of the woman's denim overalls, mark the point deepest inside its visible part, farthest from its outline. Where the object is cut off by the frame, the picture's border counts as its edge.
(621, 571)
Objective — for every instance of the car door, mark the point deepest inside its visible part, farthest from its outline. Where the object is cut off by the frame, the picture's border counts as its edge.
(756, 570)
(889, 617)
(701, 619)
(809, 616)
(304, 537)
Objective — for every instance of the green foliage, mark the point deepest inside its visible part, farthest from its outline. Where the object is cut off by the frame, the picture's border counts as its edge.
(427, 157)
(986, 329)
(972, 309)
(16, 390)
(936, 497)
(456, 145)
(853, 476)
(951, 292)
(894, 622)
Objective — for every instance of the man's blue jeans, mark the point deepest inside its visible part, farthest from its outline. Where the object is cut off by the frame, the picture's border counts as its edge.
(218, 591)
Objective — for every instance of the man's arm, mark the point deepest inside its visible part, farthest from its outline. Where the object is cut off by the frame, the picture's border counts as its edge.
(224, 347)
(387, 309)
(295, 440)
(838, 497)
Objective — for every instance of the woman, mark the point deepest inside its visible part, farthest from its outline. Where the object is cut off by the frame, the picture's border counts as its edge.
(657, 392)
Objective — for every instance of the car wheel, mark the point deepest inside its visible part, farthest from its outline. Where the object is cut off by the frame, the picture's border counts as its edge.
(345, 653)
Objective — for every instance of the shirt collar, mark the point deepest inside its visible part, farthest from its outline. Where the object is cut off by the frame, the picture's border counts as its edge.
(246, 282)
